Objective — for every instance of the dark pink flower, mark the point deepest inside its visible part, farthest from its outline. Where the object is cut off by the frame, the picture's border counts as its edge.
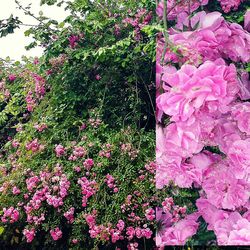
(56, 233)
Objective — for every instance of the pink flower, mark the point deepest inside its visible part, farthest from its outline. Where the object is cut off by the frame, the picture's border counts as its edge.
(16, 190)
(98, 77)
(69, 215)
(36, 61)
(29, 234)
(15, 144)
(10, 215)
(223, 190)
(233, 230)
(12, 78)
(73, 39)
(210, 213)
(193, 88)
(214, 38)
(244, 85)
(241, 114)
(239, 155)
(56, 233)
(32, 182)
(79, 152)
(120, 225)
(75, 241)
(88, 189)
(176, 234)
(60, 150)
(88, 163)
(130, 232)
(177, 141)
(150, 214)
(180, 7)
(228, 5)
(90, 219)
(83, 126)
(40, 127)
(34, 146)
(224, 134)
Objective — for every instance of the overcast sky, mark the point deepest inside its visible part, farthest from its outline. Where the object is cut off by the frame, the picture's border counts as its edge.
(13, 45)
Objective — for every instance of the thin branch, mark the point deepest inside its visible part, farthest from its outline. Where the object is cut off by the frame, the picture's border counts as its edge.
(29, 25)
(27, 12)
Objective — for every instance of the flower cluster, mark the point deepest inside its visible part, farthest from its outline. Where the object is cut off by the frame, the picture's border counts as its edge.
(40, 127)
(36, 90)
(29, 234)
(128, 149)
(73, 41)
(69, 215)
(88, 189)
(209, 37)
(119, 232)
(205, 145)
(12, 77)
(60, 150)
(177, 233)
(178, 9)
(10, 215)
(34, 146)
(140, 19)
(110, 180)
(228, 5)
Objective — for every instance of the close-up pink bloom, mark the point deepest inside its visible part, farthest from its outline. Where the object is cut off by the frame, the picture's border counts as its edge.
(239, 155)
(222, 189)
(175, 234)
(194, 88)
(233, 230)
(241, 114)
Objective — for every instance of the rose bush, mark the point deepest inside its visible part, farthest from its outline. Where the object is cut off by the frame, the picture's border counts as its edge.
(77, 147)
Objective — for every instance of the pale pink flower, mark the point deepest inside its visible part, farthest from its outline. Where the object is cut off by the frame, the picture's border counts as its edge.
(241, 114)
(192, 88)
(222, 188)
(176, 234)
(233, 230)
(239, 155)
(210, 213)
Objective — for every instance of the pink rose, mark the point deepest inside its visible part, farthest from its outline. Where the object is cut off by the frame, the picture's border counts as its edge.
(56, 233)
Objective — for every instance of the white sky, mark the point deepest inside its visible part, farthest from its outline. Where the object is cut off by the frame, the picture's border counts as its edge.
(13, 45)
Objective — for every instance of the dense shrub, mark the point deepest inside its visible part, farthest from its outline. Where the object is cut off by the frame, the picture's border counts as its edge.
(77, 132)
